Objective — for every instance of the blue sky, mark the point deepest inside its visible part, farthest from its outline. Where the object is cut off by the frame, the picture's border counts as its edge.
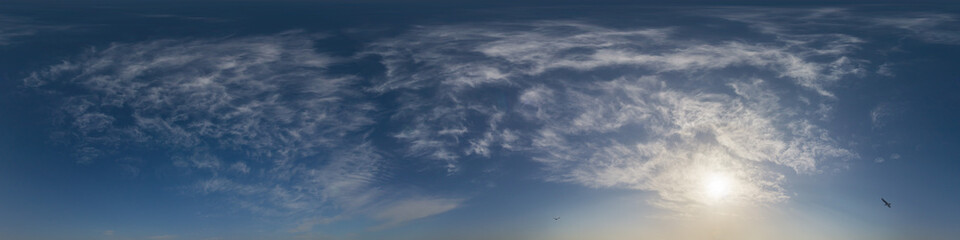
(421, 120)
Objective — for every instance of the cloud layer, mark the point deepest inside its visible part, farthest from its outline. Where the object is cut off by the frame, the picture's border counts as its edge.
(631, 108)
(263, 122)
(13, 28)
(298, 129)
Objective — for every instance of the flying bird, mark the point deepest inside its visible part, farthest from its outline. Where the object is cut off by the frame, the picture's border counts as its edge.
(556, 218)
(885, 202)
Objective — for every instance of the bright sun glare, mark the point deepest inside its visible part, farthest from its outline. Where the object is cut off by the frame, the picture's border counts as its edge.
(717, 186)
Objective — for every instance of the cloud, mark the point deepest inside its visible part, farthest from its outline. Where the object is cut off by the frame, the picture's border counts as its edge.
(259, 120)
(447, 127)
(883, 114)
(267, 95)
(792, 23)
(893, 156)
(485, 55)
(412, 209)
(469, 59)
(927, 27)
(13, 28)
(683, 137)
(886, 69)
(658, 113)
(240, 167)
(641, 108)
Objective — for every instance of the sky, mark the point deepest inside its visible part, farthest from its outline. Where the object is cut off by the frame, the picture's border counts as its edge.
(468, 120)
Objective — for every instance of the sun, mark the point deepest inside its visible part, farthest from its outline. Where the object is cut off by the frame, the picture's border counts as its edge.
(717, 186)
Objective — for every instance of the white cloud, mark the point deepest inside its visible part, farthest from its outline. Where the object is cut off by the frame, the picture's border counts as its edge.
(930, 27)
(682, 137)
(412, 209)
(461, 59)
(927, 27)
(269, 95)
(655, 127)
(298, 130)
(643, 109)
(12, 28)
(198, 161)
(240, 167)
(535, 48)
(447, 127)
(884, 114)
(886, 69)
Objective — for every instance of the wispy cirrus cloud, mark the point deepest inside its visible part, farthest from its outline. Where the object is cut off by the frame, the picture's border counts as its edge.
(298, 129)
(884, 113)
(410, 209)
(658, 113)
(447, 127)
(631, 108)
(267, 95)
(13, 28)
(487, 54)
(470, 59)
(930, 27)
(680, 140)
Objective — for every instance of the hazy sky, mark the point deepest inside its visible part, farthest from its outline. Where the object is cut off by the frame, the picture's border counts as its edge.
(428, 120)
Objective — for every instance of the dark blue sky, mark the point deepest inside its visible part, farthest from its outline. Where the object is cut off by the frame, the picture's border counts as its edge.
(428, 120)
